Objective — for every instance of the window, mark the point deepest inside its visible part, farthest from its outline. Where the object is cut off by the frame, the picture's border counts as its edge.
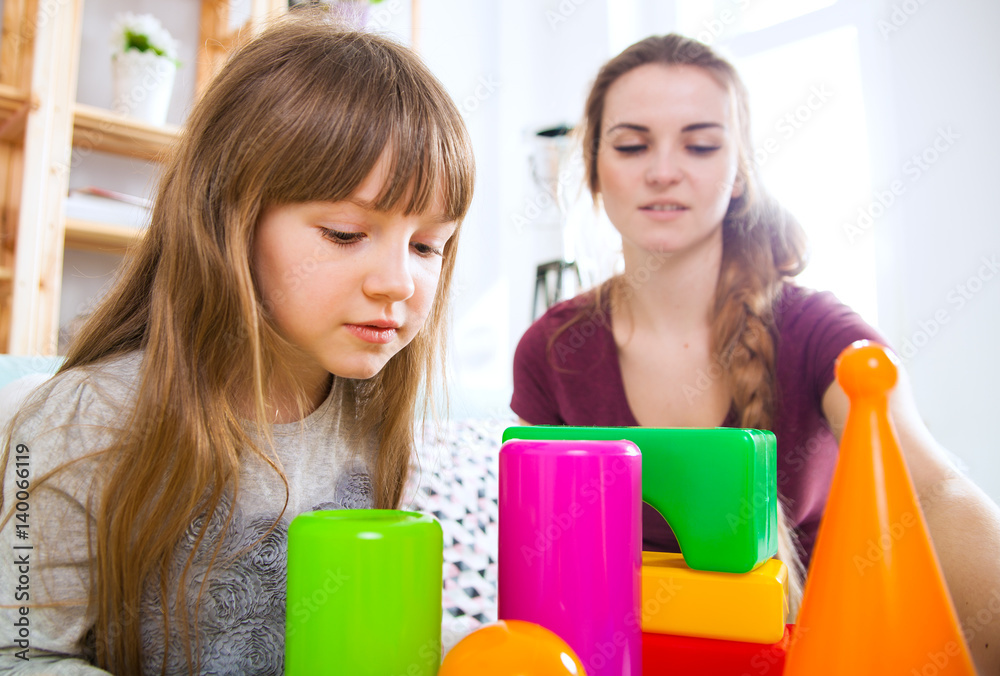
(800, 61)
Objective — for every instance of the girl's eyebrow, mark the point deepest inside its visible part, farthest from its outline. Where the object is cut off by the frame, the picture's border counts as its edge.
(438, 219)
(642, 128)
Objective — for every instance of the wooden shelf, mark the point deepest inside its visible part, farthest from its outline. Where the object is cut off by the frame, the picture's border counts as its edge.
(106, 131)
(102, 237)
(13, 111)
(11, 98)
(6, 274)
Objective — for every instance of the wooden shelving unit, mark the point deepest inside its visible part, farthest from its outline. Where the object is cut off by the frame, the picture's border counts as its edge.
(104, 130)
(39, 124)
(103, 237)
(13, 111)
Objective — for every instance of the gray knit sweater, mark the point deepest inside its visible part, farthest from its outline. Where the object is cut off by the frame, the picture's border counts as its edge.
(44, 554)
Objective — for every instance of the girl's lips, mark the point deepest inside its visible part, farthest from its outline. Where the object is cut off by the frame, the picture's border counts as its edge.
(372, 334)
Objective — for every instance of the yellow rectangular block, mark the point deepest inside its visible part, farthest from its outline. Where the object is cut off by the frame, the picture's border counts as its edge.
(748, 607)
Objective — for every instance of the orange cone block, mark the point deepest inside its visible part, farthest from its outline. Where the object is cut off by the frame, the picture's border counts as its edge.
(875, 601)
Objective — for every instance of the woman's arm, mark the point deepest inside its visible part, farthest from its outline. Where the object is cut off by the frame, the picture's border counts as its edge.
(964, 523)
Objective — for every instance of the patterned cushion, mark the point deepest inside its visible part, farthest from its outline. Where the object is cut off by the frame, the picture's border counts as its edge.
(456, 482)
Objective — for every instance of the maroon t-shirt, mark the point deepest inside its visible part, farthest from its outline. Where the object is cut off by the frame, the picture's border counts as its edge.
(578, 381)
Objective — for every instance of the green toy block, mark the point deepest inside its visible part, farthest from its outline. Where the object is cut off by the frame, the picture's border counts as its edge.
(717, 488)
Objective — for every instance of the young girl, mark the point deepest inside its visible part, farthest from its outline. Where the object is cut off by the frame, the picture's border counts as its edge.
(706, 328)
(261, 356)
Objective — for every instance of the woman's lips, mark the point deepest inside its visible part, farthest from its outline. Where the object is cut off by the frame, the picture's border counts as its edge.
(663, 212)
(379, 335)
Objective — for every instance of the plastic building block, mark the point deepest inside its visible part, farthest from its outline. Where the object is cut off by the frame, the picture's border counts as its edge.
(875, 601)
(669, 655)
(570, 539)
(364, 593)
(717, 488)
(747, 607)
(512, 647)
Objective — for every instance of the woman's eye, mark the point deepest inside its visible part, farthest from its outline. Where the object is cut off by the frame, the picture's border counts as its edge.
(703, 150)
(630, 149)
(344, 238)
(426, 249)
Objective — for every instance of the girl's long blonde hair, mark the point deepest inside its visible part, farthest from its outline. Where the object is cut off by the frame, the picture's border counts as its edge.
(763, 246)
(302, 112)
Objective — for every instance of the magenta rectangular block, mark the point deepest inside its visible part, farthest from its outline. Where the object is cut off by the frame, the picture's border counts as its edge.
(570, 531)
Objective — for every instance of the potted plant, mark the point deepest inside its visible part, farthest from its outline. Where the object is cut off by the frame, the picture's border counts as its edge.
(144, 63)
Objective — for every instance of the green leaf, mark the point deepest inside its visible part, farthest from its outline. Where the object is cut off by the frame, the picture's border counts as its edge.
(140, 42)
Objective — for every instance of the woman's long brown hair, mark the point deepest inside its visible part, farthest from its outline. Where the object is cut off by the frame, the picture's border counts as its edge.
(763, 246)
(302, 112)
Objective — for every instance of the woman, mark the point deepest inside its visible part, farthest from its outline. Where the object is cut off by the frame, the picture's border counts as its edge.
(706, 328)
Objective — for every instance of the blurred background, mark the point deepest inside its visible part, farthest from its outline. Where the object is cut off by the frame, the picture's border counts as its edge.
(875, 122)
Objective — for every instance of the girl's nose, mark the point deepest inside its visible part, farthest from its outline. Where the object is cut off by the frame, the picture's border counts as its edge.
(389, 276)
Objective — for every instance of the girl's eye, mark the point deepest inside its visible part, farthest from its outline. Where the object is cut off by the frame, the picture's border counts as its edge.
(630, 149)
(342, 238)
(426, 250)
(703, 150)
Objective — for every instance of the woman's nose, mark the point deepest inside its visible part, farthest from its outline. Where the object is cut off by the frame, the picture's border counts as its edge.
(663, 168)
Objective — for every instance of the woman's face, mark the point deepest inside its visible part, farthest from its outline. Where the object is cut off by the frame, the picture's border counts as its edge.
(347, 284)
(667, 158)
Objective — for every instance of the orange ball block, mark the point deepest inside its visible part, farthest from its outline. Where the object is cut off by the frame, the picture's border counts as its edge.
(875, 601)
(512, 648)
(669, 655)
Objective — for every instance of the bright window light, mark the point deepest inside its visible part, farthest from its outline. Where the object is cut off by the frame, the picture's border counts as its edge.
(723, 19)
(811, 145)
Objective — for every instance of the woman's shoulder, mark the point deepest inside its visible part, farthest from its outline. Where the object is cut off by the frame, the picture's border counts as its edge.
(801, 309)
(581, 307)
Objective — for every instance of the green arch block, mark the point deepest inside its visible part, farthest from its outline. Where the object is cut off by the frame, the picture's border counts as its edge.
(717, 488)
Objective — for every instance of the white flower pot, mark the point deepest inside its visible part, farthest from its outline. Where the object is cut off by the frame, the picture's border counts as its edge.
(143, 83)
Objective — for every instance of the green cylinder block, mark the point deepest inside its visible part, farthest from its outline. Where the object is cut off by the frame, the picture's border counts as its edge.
(364, 593)
(717, 488)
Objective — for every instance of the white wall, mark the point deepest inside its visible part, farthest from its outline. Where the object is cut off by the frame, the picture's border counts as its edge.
(944, 66)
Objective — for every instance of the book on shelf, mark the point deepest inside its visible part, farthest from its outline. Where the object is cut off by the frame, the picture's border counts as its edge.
(107, 206)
